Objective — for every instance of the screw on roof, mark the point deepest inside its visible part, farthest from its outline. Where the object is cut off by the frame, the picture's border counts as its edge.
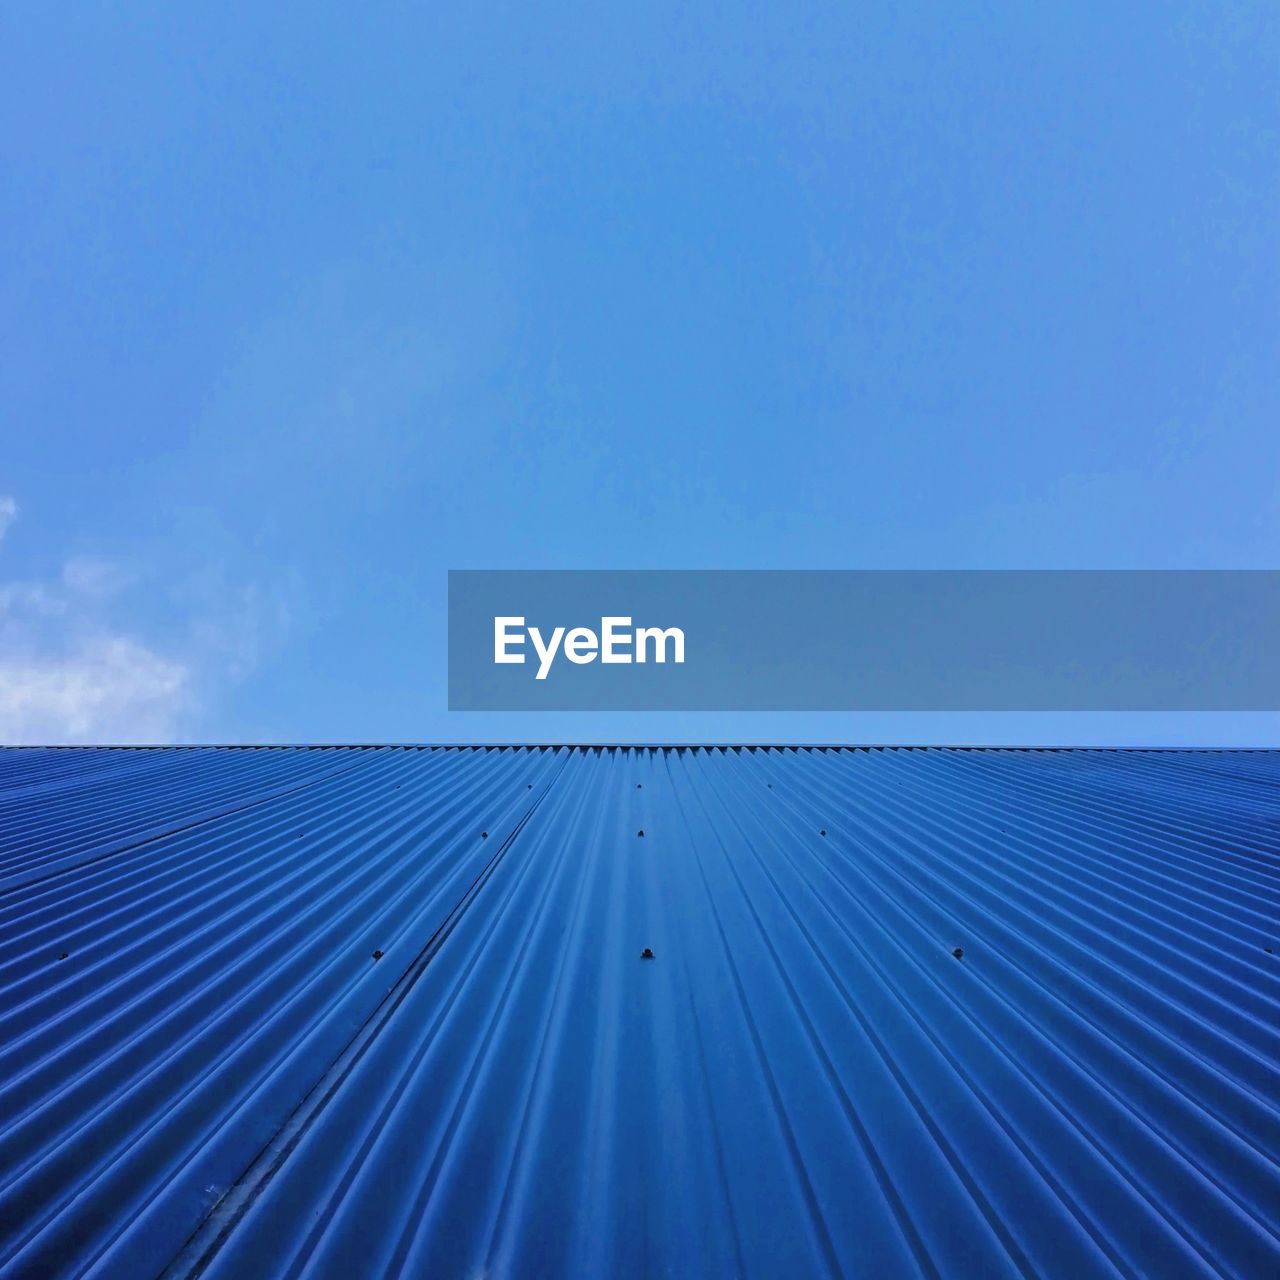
(377, 955)
(646, 954)
(640, 832)
(958, 952)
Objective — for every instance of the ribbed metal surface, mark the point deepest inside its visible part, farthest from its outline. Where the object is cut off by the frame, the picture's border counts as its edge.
(205, 1070)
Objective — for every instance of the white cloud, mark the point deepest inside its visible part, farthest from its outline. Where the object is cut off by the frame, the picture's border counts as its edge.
(8, 514)
(108, 689)
(67, 674)
(79, 661)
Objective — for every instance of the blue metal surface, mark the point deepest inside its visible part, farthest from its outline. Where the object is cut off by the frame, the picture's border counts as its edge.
(909, 1012)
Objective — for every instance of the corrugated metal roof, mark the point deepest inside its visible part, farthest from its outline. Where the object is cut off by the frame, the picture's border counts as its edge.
(934, 1012)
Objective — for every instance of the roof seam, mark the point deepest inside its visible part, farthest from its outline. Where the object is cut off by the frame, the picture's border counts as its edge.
(203, 1245)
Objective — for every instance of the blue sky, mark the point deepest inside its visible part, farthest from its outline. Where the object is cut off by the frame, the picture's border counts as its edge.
(304, 305)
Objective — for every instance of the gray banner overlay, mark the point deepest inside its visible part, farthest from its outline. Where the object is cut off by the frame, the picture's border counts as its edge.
(787, 640)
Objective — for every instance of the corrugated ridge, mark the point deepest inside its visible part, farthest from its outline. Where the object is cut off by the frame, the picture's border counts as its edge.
(984, 919)
(204, 1244)
(42, 838)
(1115, 1193)
(179, 944)
(803, 1080)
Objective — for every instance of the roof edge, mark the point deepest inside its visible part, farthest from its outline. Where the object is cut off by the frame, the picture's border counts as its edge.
(606, 745)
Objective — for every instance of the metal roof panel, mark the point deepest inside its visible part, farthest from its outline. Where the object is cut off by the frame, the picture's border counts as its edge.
(906, 1012)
